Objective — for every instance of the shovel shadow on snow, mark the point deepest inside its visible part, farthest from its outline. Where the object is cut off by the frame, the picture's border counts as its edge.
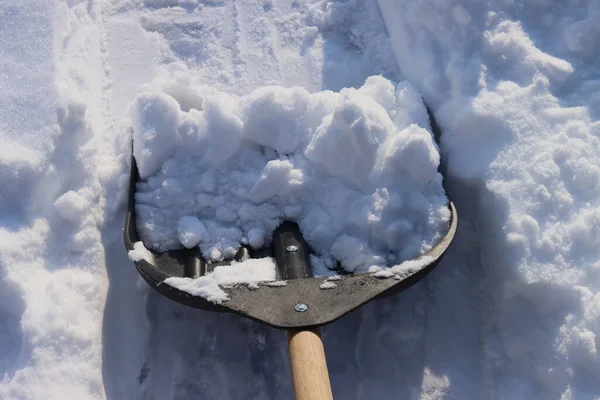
(490, 334)
(208, 355)
(187, 353)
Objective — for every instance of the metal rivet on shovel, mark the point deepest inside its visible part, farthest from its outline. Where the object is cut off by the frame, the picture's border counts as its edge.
(291, 248)
(300, 307)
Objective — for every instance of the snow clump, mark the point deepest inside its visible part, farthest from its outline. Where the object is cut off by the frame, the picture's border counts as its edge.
(356, 169)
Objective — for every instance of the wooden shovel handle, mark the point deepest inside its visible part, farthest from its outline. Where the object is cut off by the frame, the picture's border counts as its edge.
(309, 367)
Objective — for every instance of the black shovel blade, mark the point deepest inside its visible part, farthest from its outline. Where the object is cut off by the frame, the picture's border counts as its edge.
(299, 304)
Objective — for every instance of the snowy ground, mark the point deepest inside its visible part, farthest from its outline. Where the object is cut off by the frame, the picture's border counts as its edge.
(512, 312)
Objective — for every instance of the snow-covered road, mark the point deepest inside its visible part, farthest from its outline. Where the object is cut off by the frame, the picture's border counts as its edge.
(513, 311)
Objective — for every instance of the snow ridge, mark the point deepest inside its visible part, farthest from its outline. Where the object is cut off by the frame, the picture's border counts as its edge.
(531, 158)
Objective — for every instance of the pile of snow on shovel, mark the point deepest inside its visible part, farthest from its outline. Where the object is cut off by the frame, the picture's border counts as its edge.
(356, 169)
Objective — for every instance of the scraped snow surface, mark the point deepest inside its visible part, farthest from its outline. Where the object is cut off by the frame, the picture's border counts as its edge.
(513, 310)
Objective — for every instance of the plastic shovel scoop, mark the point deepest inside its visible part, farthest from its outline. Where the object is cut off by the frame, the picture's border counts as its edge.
(300, 307)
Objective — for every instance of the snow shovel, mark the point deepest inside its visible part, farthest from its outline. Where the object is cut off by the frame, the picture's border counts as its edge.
(300, 307)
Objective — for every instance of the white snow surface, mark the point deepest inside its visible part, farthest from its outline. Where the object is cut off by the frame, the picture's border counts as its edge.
(139, 252)
(327, 285)
(358, 171)
(513, 310)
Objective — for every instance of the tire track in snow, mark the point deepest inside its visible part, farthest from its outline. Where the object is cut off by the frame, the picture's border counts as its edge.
(237, 58)
(254, 33)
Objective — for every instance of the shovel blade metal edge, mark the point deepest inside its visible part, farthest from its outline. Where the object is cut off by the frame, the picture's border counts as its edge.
(276, 306)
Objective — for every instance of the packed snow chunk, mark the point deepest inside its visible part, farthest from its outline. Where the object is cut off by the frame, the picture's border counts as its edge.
(278, 179)
(381, 90)
(354, 253)
(205, 287)
(383, 274)
(71, 206)
(347, 140)
(213, 134)
(256, 238)
(411, 266)
(190, 231)
(154, 118)
(410, 156)
(139, 252)
(409, 109)
(321, 266)
(327, 285)
(172, 187)
(251, 272)
(275, 117)
(364, 190)
(223, 130)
